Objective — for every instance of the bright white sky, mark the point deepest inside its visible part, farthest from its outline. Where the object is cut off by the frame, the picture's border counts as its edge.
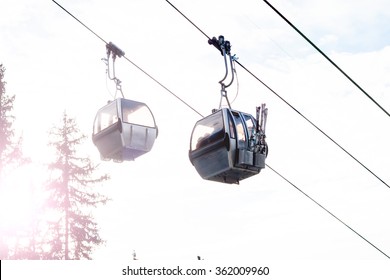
(161, 208)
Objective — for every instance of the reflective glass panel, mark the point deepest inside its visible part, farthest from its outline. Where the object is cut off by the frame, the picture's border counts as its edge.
(106, 117)
(137, 113)
(207, 131)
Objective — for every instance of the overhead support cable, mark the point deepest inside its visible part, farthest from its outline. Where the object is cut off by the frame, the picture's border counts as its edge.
(288, 104)
(90, 30)
(327, 58)
(330, 213)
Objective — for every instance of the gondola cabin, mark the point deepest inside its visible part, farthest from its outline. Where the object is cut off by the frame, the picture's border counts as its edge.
(124, 130)
(227, 146)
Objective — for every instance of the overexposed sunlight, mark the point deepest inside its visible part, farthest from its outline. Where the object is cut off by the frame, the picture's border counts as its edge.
(18, 198)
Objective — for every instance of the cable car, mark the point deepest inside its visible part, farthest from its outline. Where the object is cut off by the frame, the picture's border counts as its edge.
(124, 130)
(229, 146)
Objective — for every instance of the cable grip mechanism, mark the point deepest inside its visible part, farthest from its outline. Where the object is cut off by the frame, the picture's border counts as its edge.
(114, 50)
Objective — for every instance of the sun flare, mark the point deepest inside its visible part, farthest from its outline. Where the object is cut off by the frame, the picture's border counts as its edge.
(19, 198)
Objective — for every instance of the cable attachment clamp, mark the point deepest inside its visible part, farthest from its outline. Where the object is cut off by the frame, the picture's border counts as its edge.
(114, 50)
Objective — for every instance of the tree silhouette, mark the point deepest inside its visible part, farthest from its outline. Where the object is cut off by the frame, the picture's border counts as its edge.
(6, 131)
(72, 232)
(10, 150)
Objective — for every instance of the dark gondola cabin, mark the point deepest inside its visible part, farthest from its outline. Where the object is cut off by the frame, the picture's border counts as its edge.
(124, 130)
(228, 146)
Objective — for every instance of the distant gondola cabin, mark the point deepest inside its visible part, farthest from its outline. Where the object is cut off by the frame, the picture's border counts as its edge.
(124, 130)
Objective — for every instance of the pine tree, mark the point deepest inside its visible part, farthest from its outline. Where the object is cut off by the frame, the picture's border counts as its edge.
(6, 120)
(73, 233)
(10, 151)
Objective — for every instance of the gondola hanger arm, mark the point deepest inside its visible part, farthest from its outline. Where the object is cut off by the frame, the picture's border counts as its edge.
(224, 47)
(114, 52)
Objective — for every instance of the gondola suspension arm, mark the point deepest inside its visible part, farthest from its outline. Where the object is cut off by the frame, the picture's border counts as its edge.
(114, 52)
(224, 47)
